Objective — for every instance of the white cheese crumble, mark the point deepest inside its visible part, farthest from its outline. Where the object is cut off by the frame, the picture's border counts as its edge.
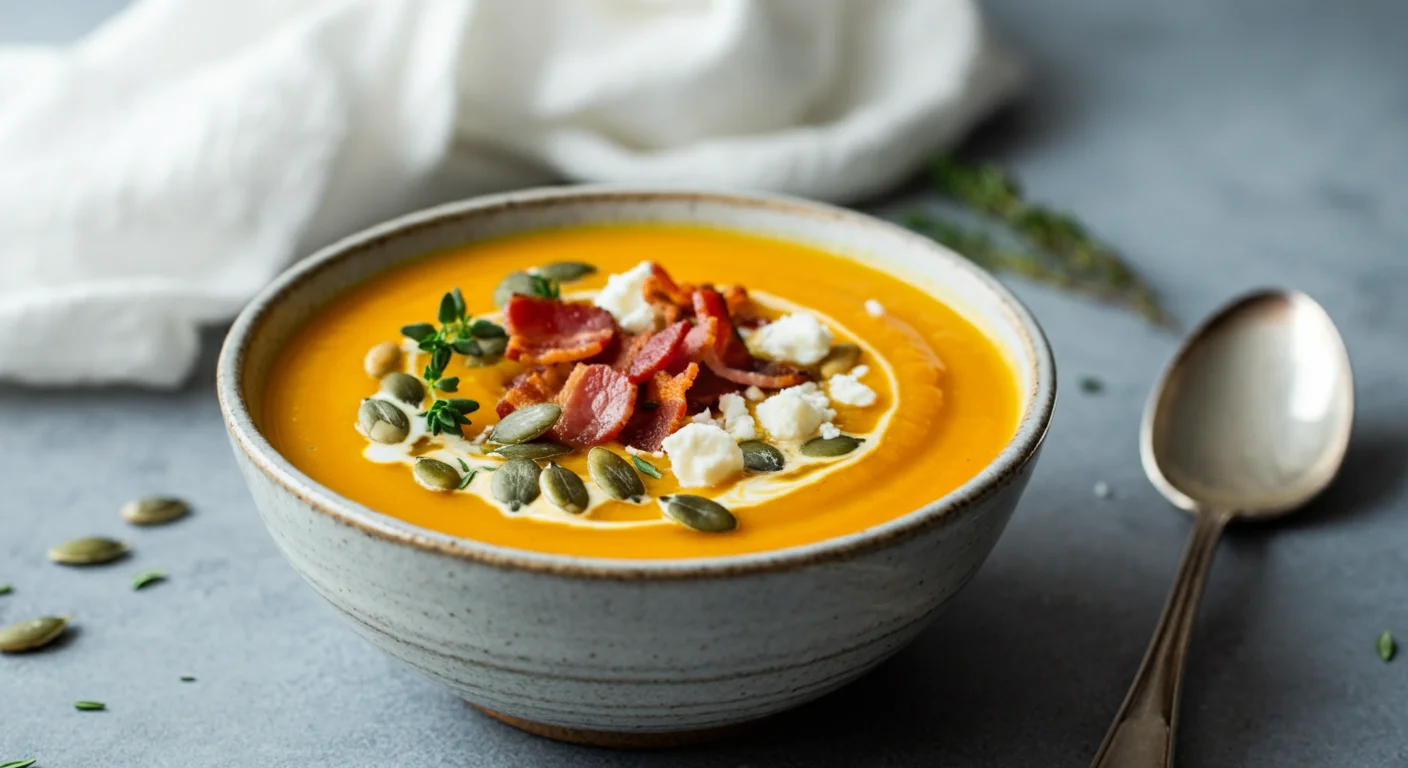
(859, 371)
(632, 450)
(796, 338)
(702, 455)
(624, 298)
(795, 412)
(755, 394)
(874, 308)
(829, 430)
(704, 417)
(846, 390)
(733, 411)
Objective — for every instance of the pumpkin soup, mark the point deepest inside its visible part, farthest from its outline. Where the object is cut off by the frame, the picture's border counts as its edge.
(639, 391)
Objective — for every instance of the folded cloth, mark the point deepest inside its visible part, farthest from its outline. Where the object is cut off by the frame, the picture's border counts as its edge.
(156, 174)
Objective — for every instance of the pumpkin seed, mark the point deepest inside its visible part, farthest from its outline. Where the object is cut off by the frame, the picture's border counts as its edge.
(564, 489)
(516, 483)
(30, 634)
(513, 283)
(761, 457)
(614, 476)
(841, 358)
(829, 447)
(93, 550)
(525, 424)
(383, 422)
(699, 513)
(531, 450)
(153, 510)
(382, 359)
(404, 387)
(435, 475)
(565, 271)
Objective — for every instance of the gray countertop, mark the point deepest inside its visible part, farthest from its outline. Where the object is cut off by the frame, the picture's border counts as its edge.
(1222, 145)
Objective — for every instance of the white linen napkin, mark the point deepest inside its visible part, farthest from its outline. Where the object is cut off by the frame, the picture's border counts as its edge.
(155, 174)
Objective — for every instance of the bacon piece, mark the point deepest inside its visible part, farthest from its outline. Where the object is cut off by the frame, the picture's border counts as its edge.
(671, 301)
(766, 375)
(729, 358)
(597, 403)
(622, 351)
(657, 351)
(550, 331)
(649, 428)
(707, 388)
(531, 388)
(729, 346)
(741, 309)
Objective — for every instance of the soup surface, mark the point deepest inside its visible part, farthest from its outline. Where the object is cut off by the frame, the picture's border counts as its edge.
(944, 401)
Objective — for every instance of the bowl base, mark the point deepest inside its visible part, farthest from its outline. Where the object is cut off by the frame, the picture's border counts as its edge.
(622, 739)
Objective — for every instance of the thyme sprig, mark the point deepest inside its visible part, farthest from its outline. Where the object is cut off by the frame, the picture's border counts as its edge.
(1062, 253)
(457, 333)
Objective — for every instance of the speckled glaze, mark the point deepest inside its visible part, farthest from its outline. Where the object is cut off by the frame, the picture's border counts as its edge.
(617, 651)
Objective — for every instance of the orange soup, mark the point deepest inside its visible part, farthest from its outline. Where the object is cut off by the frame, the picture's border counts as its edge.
(782, 395)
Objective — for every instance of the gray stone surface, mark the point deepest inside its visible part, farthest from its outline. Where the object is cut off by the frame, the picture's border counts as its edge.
(1222, 145)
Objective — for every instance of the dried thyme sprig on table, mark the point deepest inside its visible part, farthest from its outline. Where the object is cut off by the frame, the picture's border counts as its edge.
(1062, 254)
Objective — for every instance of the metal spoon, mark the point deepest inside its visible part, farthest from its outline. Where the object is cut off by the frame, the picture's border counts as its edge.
(1249, 421)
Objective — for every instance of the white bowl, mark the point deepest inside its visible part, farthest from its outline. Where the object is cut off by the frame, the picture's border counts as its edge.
(630, 652)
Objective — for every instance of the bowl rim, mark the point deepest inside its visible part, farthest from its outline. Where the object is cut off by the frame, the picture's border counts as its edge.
(246, 437)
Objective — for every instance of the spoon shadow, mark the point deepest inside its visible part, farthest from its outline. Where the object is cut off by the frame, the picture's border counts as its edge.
(1375, 469)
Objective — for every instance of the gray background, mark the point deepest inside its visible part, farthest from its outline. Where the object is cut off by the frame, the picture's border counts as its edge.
(1222, 145)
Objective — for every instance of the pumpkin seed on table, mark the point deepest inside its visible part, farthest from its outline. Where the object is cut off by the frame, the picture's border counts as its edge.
(525, 424)
(153, 510)
(830, 447)
(614, 476)
(841, 358)
(514, 283)
(382, 359)
(516, 483)
(32, 634)
(92, 550)
(698, 513)
(531, 450)
(565, 271)
(404, 387)
(564, 489)
(435, 475)
(761, 457)
(383, 422)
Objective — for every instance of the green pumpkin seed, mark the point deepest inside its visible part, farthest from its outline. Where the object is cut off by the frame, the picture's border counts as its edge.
(382, 359)
(564, 489)
(435, 475)
(404, 387)
(829, 447)
(525, 424)
(516, 483)
(699, 513)
(31, 634)
(565, 271)
(94, 550)
(153, 510)
(761, 457)
(841, 359)
(383, 422)
(614, 476)
(513, 283)
(531, 450)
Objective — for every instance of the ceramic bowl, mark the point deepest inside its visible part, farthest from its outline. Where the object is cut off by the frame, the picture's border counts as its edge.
(629, 652)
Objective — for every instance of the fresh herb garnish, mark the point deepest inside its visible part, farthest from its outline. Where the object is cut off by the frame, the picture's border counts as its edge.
(25, 763)
(449, 416)
(89, 706)
(6, 589)
(146, 578)
(468, 474)
(645, 467)
(545, 288)
(1060, 252)
(1091, 385)
(649, 405)
(457, 333)
(1386, 646)
(188, 678)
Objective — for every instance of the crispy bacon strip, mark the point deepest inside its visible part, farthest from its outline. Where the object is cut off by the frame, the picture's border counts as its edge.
(657, 351)
(729, 358)
(597, 403)
(550, 331)
(649, 428)
(531, 388)
(729, 346)
(671, 301)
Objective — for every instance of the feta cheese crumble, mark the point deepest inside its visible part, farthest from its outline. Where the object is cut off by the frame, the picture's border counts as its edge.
(755, 394)
(795, 412)
(624, 298)
(829, 430)
(874, 308)
(733, 412)
(704, 417)
(702, 455)
(846, 390)
(796, 338)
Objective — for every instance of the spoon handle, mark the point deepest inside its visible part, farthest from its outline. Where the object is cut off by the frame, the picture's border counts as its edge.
(1142, 734)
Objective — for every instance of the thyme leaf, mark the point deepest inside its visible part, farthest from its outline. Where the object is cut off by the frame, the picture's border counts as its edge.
(646, 467)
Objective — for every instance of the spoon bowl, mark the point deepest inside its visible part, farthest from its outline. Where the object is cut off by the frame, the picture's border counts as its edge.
(1251, 419)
